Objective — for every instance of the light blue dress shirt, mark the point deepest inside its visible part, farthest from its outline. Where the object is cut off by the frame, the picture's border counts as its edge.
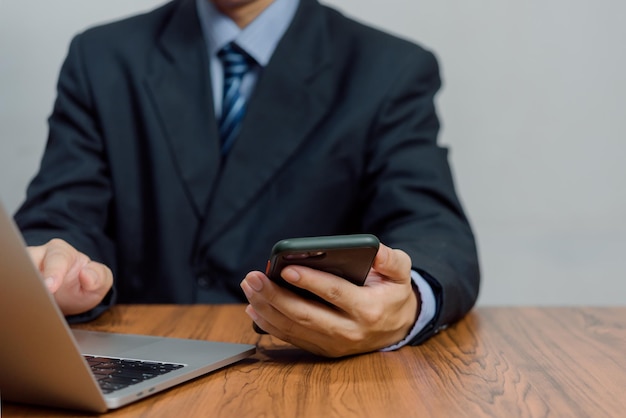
(259, 40)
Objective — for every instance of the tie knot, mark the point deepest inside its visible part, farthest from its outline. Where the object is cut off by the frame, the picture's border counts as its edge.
(236, 61)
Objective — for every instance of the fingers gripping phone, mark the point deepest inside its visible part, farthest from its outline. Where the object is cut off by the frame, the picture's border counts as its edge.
(347, 256)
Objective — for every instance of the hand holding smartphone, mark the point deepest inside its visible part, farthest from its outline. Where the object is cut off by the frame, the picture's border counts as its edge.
(347, 256)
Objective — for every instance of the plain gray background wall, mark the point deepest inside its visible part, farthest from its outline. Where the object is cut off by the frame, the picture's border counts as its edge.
(533, 110)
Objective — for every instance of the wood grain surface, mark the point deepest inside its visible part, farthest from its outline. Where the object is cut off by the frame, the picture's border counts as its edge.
(497, 362)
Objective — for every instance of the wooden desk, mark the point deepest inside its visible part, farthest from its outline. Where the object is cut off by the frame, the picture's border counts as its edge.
(497, 362)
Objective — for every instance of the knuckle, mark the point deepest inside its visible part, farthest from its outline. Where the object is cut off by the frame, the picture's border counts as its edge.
(372, 320)
(57, 248)
(57, 243)
(372, 316)
(303, 318)
(334, 293)
(355, 336)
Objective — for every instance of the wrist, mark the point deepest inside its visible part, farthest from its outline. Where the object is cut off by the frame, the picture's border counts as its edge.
(425, 310)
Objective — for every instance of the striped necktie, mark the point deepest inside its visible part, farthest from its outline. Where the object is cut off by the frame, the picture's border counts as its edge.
(236, 64)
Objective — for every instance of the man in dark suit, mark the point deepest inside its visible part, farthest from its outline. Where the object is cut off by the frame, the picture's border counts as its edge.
(338, 137)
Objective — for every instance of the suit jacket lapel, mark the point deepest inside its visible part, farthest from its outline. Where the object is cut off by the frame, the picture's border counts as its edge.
(179, 86)
(291, 96)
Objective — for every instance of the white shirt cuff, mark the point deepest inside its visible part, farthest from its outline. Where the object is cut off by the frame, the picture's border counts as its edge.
(427, 310)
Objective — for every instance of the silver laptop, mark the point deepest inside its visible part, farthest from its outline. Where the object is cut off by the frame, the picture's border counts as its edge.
(44, 362)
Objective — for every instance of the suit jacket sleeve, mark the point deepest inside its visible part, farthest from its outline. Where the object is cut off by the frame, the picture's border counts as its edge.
(411, 200)
(69, 196)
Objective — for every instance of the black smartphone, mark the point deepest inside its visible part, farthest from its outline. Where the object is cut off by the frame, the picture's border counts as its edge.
(347, 256)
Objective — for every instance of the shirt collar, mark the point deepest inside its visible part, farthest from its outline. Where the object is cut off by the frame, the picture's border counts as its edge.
(258, 39)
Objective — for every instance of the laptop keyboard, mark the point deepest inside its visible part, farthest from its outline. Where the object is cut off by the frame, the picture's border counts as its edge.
(114, 373)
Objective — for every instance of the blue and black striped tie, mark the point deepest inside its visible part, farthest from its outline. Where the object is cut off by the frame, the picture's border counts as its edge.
(236, 64)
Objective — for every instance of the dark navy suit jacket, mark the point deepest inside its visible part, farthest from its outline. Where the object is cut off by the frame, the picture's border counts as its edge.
(339, 137)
